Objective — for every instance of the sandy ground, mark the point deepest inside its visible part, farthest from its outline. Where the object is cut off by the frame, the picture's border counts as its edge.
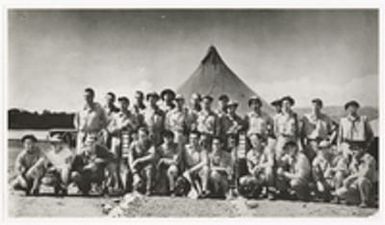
(47, 205)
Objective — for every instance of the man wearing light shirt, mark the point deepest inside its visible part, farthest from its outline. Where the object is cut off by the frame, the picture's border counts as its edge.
(91, 120)
(316, 127)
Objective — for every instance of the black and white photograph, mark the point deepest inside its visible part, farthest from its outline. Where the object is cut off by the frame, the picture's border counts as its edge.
(192, 112)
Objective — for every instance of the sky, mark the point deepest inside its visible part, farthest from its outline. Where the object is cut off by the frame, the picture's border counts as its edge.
(55, 54)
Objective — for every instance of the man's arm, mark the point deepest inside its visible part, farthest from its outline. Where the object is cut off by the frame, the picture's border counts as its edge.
(148, 157)
(76, 121)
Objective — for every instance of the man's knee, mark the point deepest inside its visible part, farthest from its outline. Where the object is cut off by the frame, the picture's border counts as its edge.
(172, 171)
(297, 184)
(215, 176)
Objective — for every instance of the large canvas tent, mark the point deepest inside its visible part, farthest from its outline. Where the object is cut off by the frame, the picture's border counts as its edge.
(213, 77)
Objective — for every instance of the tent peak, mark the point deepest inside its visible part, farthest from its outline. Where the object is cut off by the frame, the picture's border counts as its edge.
(212, 56)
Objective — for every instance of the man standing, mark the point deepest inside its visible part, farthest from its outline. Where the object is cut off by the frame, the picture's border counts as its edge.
(207, 122)
(110, 110)
(167, 96)
(277, 104)
(91, 120)
(286, 127)
(354, 131)
(316, 128)
(123, 125)
(231, 123)
(29, 167)
(221, 112)
(169, 160)
(154, 118)
(196, 161)
(176, 121)
(141, 161)
(193, 111)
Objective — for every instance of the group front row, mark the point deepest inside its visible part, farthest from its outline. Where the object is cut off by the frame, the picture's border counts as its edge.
(205, 167)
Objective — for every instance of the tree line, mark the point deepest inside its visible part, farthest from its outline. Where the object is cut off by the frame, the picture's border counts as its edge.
(23, 119)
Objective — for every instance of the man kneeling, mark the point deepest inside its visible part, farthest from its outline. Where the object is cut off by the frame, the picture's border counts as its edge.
(169, 160)
(260, 168)
(357, 187)
(197, 165)
(141, 162)
(220, 169)
(297, 176)
(30, 167)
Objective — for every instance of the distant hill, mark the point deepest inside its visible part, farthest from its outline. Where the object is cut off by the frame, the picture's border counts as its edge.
(336, 112)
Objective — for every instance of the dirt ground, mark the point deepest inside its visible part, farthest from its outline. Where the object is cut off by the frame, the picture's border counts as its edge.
(47, 205)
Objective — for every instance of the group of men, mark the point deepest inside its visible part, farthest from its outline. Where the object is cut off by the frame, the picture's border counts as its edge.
(158, 145)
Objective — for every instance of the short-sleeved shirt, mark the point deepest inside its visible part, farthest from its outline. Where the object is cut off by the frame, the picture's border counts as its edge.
(169, 152)
(286, 125)
(366, 162)
(110, 112)
(258, 124)
(207, 122)
(91, 119)
(355, 129)
(317, 128)
(194, 155)
(176, 120)
(123, 121)
(300, 165)
(255, 158)
(141, 149)
(27, 159)
(154, 119)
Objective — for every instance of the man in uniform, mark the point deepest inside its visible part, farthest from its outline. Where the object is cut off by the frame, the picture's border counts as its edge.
(90, 121)
(316, 127)
(354, 131)
(296, 177)
(154, 118)
(169, 162)
(123, 125)
(221, 112)
(29, 167)
(196, 162)
(176, 121)
(221, 169)
(277, 104)
(207, 122)
(168, 97)
(110, 110)
(141, 161)
(358, 186)
(286, 127)
(231, 123)
(260, 168)
(192, 114)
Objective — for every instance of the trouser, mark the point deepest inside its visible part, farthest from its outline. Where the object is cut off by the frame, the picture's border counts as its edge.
(311, 149)
(300, 186)
(143, 176)
(220, 182)
(360, 191)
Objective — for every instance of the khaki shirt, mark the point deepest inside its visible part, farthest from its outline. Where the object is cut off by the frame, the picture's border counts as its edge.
(300, 166)
(123, 121)
(255, 158)
(154, 119)
(366, 166)
(207, 122)
(286, 125)
(317, 128)
(258, 124)
(91, 119)
(176, 120)
(221, 159)
(169, 152)
(355, 129)
(26, 160)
